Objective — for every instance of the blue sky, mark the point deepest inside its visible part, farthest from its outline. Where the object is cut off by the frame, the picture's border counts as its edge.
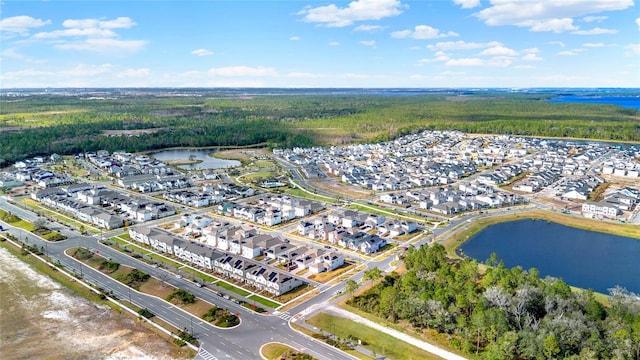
(300, 43)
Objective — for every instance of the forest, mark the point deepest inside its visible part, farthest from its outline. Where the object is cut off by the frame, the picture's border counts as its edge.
(491, 312)
(66, 124)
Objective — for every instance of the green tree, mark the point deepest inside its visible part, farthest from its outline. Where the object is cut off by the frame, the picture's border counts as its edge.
(551, 347)
(372, 274)
(351, 286)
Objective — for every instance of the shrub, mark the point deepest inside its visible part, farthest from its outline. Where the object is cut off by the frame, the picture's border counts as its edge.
(145, 313)
(109, 266)
(82, 254)
(182, 296)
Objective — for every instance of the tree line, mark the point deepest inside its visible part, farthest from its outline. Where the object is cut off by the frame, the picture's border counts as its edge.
(67, 124)
(492, 312)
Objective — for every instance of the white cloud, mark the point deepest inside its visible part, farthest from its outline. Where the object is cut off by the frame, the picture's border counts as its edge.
(529, 13)
(303, 75)
(401, 34)
(294, 38)
(202, 52)
(104, 45)
(467, 4)
(243, 71)
(635, 48)
(83, 70)
(92, 35)
(89, 28)
(422, 32)
(461, 45)
(371, 43)
(453, 73)
(440, 56)
(75, 32)
(595, 31)
(498, 61)
(118, 23)
(465, 62)
(370, 28)
(532, 57)
(594, 18)
(76, 72)
(531, 54)
(358, 10)
(21, 24)
(12, 53)
(334, 43)
(559, 43)
(354, 76)
(555, 25)
(594, 45)
(572, 52)
(638, 23)
(134, 73)
(499, 51)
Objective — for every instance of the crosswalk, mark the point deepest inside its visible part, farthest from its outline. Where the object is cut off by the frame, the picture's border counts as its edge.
(205, 355)
(283, 315)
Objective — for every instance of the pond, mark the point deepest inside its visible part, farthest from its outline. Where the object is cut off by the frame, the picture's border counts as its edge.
(206, 161)
(582, 258)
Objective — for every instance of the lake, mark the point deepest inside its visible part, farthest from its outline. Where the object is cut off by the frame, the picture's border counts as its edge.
(631, 101)
(208, 162)
(582, 258)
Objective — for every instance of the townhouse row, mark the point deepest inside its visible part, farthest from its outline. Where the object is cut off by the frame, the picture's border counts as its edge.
(244, 270)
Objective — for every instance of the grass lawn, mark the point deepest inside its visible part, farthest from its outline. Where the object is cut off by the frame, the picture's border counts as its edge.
(261, 175)
(24, 225)
(233, 288)
(303, 194)
(274, 350)
(200, 275)
(376, 341)
(263, 301)
(263, 163)
(277, 351)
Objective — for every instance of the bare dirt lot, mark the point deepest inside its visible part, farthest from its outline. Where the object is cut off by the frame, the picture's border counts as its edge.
(40, 319)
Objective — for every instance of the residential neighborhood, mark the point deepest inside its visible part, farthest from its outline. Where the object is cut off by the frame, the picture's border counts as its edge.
(244, 233)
